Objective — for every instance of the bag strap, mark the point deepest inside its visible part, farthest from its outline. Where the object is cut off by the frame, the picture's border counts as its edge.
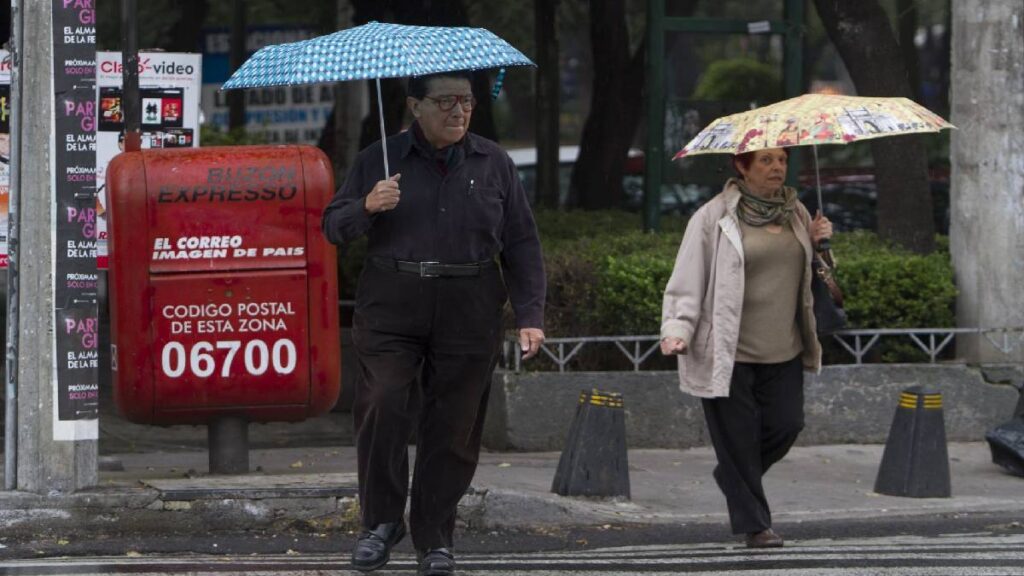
(824, 272)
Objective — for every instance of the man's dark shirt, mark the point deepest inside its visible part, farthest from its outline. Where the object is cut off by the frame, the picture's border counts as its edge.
(459, 205)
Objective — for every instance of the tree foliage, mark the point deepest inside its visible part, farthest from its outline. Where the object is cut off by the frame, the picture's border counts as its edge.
(740, 79)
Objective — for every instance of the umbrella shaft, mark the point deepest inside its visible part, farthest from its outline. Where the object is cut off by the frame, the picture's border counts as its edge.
(817, 179)
(383, 134)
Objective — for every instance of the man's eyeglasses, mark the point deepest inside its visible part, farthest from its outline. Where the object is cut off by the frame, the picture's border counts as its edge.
(446, 103)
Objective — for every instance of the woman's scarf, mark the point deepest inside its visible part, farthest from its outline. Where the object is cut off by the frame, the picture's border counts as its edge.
(757, 211)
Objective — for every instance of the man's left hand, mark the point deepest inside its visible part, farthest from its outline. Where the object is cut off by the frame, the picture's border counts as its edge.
(530, 340)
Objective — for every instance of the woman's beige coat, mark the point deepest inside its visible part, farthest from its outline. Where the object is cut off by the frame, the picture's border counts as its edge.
(704, 297)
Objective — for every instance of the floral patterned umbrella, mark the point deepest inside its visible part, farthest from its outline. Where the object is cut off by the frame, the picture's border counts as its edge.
(810, 120)
(813, 119)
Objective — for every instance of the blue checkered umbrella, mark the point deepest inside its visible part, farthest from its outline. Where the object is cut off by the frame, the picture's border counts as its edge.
(375, 51)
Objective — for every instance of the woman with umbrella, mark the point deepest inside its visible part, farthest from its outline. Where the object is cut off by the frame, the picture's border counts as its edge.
(738, 311)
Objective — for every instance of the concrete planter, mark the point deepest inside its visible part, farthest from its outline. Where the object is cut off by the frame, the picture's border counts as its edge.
(531, 411)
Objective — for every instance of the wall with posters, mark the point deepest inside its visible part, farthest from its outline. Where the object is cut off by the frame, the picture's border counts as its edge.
(5, 149)
(282, 115)
(76, 324)
(169, 86)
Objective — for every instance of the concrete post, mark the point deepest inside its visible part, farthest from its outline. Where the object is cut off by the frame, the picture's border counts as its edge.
(45, 465)
(987, 214)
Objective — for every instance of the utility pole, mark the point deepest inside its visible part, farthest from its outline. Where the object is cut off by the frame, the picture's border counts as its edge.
(58, 394)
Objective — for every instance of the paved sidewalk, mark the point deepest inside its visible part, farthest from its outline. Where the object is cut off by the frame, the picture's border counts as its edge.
(303, 478)
(512, 490)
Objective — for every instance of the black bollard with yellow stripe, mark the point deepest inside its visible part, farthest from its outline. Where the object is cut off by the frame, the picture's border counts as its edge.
(915, 462)
(594, 461)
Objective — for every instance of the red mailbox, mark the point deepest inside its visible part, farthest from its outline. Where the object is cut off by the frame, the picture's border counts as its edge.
(223, 291)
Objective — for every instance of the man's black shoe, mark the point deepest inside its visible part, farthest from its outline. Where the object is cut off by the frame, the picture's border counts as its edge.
(436, 562)
(373, 548)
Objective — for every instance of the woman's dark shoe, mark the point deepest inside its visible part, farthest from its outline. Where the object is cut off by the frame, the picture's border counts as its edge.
(436, 562)
(373, 548)
(764, 539)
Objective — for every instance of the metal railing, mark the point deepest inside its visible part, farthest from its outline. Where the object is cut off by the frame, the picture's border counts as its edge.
(858, 342)
(637, 349)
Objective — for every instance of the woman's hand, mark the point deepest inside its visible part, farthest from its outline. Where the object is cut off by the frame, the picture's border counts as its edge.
(671, 345)
(821, 228)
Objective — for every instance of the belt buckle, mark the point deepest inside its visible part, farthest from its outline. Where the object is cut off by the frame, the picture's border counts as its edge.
(423, 270)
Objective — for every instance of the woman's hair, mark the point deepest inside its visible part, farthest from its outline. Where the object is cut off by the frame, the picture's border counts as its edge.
(746, 159)
(417, 87)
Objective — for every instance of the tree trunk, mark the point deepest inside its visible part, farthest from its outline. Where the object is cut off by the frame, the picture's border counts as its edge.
(946, 61)
(547, 103)
(614, 109)
(616, 103)
(865, 40)
(907, 18)
(340, 137)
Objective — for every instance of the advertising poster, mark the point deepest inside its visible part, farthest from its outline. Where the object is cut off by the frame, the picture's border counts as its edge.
(76, 388)
(169, 89)
(279, 115)
(5, 149)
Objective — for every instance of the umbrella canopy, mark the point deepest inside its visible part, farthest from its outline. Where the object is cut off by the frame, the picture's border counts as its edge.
(813, 119)
(374, 51)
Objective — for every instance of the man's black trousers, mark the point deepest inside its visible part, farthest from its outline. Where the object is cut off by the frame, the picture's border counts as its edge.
(427, 348)
(752, 429)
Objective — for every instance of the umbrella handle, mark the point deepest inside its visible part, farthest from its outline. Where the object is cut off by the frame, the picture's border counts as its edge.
(817, 179)
(824, 245)
(383, 135)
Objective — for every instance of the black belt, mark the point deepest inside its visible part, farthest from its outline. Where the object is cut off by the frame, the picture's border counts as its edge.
(433, 269)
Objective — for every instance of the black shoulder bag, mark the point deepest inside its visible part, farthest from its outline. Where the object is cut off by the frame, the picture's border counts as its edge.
(828, 298)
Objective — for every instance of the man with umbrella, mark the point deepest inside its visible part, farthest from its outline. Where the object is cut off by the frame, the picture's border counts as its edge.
(428, 320)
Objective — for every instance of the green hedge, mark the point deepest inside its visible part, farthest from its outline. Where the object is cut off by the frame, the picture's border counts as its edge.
(886, 287)
(606, 277)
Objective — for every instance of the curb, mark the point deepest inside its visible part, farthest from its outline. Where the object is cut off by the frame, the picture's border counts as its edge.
(146, 511)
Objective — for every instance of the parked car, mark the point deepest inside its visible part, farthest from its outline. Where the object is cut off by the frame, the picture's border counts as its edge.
(675, 198)
(850, 196)
(525, 160)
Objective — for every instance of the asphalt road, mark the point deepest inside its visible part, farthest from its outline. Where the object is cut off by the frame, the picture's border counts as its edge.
(970, 545)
